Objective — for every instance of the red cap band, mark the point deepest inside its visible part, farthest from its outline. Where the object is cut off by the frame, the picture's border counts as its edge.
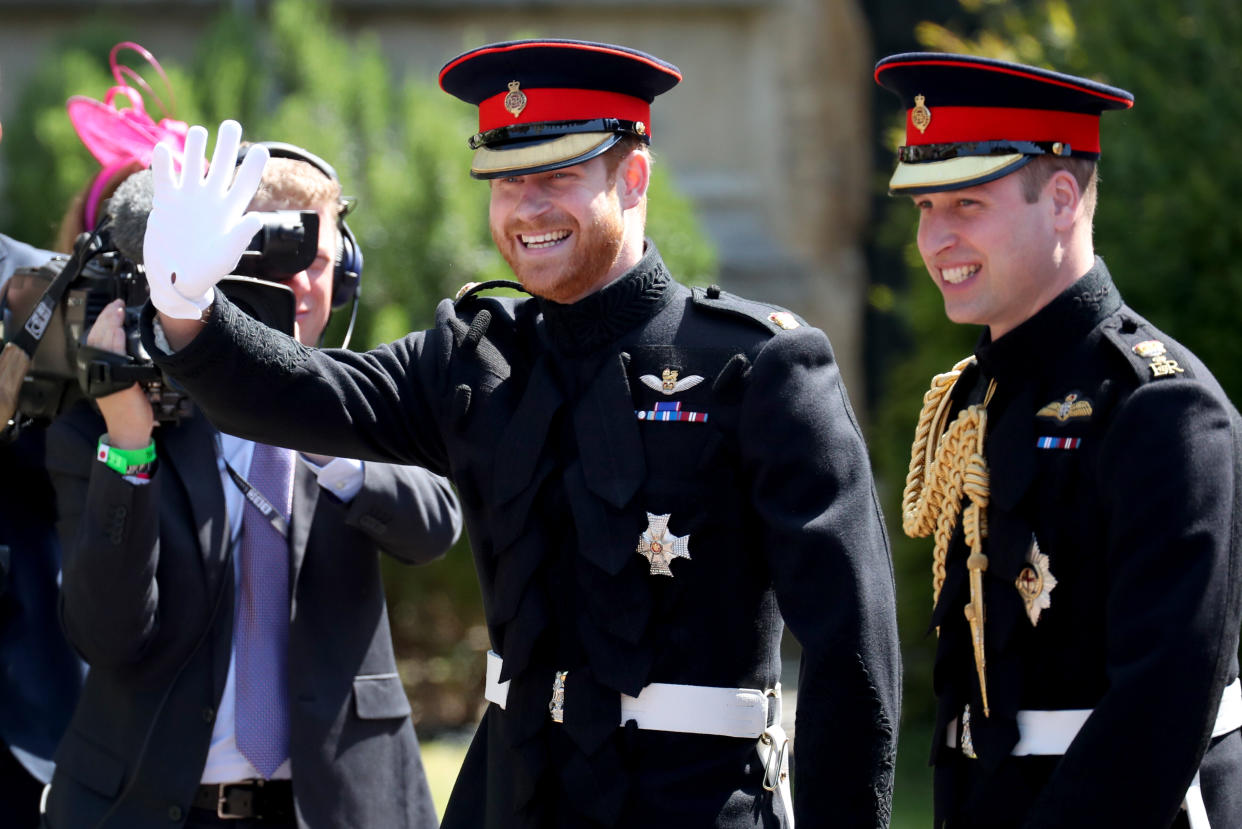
(563, 105)
(954, 125)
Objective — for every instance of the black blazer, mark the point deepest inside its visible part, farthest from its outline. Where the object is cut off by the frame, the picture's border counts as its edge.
(148, 601)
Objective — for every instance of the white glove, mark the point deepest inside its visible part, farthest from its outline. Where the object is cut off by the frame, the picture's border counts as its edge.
(197, 232)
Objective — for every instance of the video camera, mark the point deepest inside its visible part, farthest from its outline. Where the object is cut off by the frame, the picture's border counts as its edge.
(64, 368)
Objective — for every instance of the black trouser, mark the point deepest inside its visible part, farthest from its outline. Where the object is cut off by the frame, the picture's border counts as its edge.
(19, 792)
(203, 819)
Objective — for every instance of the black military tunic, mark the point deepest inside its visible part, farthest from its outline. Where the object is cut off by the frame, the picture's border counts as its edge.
(1119, 461)
(568, 430)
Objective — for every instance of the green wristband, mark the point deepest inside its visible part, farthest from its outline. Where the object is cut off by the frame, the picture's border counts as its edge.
(126, 461)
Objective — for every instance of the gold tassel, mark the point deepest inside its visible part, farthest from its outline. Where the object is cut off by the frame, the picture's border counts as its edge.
(949, 478)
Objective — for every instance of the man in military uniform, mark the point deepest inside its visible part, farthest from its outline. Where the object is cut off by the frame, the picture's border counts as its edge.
(653, 477)
(1080, 474)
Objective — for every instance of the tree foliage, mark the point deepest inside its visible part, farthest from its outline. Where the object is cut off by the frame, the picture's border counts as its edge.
(1168, 223)
(399, 146)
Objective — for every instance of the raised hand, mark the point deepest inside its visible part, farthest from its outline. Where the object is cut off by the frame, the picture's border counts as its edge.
(198, 228)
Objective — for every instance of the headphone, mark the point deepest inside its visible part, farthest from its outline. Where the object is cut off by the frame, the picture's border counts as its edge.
(347, 273)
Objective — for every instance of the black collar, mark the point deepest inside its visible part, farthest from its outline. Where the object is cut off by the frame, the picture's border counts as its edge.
(1058, 326)
(584, 326)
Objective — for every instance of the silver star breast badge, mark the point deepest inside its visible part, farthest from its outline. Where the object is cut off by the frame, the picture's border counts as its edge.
(660, 547)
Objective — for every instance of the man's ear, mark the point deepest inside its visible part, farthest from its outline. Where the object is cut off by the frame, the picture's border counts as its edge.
(1066, 199)
(633, 176)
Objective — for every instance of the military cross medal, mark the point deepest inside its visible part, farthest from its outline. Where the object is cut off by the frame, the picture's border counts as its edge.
(660, 547)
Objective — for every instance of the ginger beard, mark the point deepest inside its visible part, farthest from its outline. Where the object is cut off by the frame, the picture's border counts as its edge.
(560, 256)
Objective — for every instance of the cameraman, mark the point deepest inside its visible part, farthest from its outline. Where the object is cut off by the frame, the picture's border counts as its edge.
(162, 596)
(41, 674)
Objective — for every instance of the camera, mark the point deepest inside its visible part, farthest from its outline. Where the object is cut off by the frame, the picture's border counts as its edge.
(64, 368)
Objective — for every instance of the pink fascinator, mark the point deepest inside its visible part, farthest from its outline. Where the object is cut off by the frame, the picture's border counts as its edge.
(119, 135)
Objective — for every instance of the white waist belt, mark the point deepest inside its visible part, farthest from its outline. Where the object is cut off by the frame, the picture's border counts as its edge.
(1051, 732)
(689, 709)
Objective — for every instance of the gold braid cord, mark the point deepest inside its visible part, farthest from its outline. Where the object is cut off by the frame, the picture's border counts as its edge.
(945, 465)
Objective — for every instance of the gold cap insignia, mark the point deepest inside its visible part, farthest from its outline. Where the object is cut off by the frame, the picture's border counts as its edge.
(920, 116)
(785, 320)
(1063, 410)
(640, 128)
(1150, 348)
(1035, 583)
(515, 101)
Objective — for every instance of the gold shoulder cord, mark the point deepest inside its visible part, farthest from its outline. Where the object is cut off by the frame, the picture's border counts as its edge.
(945, 465)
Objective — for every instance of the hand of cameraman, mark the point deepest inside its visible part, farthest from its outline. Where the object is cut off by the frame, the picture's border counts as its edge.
(128, 414)
(197, 232)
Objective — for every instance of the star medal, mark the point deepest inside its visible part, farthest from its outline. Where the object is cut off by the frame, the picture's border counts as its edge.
(660, 547)
(1035, 583)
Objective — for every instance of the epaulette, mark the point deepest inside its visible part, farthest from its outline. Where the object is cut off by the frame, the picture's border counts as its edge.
(472, 288)
(773, 318)
(1147, 351)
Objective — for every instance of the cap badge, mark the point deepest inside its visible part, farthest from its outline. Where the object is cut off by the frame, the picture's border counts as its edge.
(640, 128)
(660, 547)
(920, 116)
(785, 320)
(1063, 410)
(668, 383)
(1035, 583)
(515, 101)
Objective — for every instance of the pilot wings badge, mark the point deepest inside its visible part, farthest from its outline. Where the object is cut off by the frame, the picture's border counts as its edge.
(668, 383)
(1069, 408)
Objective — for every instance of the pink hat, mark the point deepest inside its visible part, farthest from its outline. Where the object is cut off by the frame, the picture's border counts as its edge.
(118, 137)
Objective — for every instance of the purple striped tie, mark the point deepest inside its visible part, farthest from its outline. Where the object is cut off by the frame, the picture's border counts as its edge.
(261, 635)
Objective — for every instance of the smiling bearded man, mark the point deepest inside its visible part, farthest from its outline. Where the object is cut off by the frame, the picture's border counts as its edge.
(656, 479)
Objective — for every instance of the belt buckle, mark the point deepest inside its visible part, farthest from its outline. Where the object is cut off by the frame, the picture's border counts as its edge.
(556, 707)
(222, 802)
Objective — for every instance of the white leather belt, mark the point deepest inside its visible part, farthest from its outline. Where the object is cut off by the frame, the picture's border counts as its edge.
(688, 709)
(1051, 732)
